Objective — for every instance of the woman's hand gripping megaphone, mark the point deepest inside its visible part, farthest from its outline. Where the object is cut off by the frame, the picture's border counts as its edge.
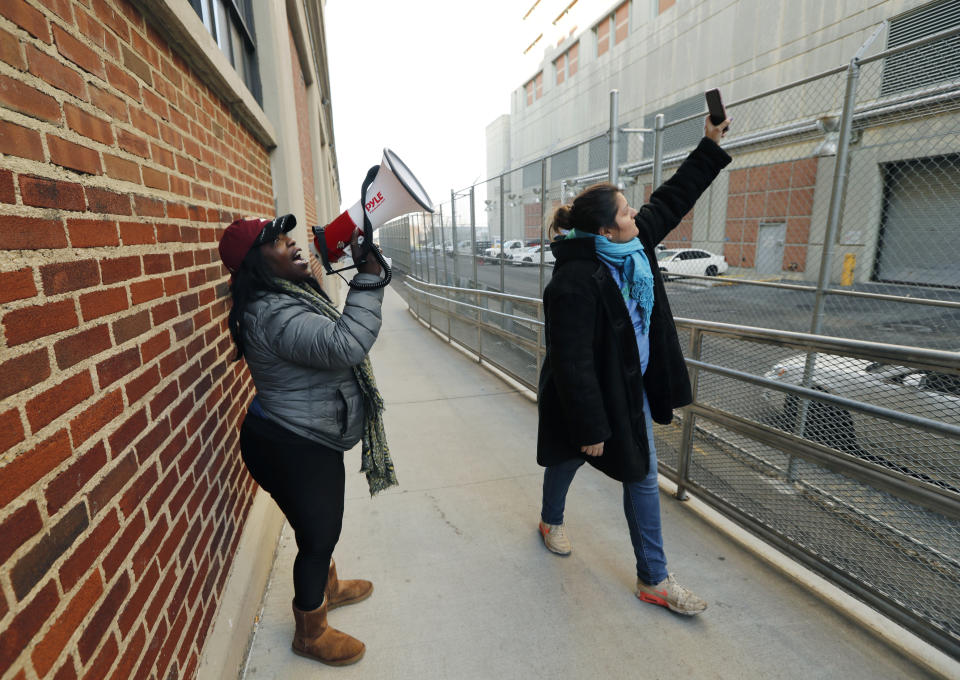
(370, 266)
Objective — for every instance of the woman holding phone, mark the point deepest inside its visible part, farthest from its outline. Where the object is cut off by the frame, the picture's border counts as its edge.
(613, 362)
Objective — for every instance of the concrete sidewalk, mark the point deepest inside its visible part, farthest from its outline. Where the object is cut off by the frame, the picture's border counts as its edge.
(465, 589)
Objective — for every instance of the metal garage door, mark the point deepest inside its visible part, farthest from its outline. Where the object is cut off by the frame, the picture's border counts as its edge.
(920, 234)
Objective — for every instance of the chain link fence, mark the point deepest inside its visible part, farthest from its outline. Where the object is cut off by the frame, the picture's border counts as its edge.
(836, 222)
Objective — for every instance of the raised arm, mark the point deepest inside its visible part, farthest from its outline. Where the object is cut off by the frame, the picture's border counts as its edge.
(677, 196)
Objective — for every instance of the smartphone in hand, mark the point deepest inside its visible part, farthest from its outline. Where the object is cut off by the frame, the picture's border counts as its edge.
(718, 114)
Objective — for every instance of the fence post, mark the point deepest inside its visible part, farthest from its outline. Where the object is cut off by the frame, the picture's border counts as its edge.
(443, 246)
(658, 124)
(543, 221)
(686, 437)
(834, 215)
(453, 238)
(614, 137)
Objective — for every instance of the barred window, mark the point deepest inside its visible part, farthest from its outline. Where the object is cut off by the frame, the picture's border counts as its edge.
(927, 65)
(230, 22)
(677, 137)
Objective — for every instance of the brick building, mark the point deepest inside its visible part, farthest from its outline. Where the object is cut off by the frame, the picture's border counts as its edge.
(131, 133)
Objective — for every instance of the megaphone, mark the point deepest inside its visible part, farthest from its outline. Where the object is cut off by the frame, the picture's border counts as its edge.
(389, 190)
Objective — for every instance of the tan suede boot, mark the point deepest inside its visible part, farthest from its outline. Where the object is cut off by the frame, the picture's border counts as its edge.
(315, 639)
(339, 593)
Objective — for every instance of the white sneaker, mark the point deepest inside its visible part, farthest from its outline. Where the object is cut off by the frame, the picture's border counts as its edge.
(555, 539)
(668, 593)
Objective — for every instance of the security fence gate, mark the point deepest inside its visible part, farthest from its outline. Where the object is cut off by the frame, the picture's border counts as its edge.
(823, 342)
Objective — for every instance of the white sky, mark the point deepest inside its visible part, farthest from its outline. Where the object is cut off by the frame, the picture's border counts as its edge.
(426, 77)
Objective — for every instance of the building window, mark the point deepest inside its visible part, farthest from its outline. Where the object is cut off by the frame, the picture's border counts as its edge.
(603, 36)
(230, 22)
(664, 5)
(932, 63)
(621, 23)
(616, 24)
(534, 88)
(676, 137)
(567, 63)
(529, 89)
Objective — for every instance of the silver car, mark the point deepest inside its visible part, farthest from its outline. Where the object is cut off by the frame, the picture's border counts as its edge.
(925, 393)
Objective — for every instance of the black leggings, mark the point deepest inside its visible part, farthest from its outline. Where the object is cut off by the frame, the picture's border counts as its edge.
(306, 479)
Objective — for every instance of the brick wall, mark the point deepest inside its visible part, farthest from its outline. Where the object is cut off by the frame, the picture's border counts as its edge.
(304, 140)
(122, 495)
(777, 193)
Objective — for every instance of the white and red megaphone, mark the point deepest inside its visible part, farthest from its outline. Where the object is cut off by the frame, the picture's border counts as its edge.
(389, 191)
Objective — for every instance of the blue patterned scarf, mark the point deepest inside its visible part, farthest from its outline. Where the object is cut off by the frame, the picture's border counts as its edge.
(631, 262)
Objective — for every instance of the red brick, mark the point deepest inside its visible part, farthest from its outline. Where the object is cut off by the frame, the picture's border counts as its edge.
(143, 121)
(120, 269)
(17, 285)
(43, 192)
(798, 230)
(121, 550)
(53, 72)
(124, 669)
(18, 633)
(135, 64)
(142, 384)
(111, 19)
(78, 53)
(95, 417)
(133, 607)
(78, 564)
(20, 141)
(155, 179)
(163, 312)
(104, 201)
(178, 211)
(133, 143)
(148, 207)
(10, 51)
(135, 233)
(46, 652)
(117, 366)
(95, 628)
(131, 326)
(27, 18)
(63, 277)
(153, 347)
(19, 527)
(155, 503)
(30, 323)
(127, 432)
(133, 497)
(101, 303)
(36, 562)
(8, 193)
(150, 654)
(121, 168)
(92, 233)
(156, 264)
(65, 485)
(104, 661)
(22, 372)
(115, 107)
(801, 202)
(123, 81)
(145, 291)
(804, 173)
(73, 156)
(54, 402)
(80, 346)
(795, 258)
(183, 259)
(175, 284)
(11, 432)
(29, 233)
(83, 123)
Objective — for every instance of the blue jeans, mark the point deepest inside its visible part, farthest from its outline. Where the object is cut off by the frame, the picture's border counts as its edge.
(641, 506)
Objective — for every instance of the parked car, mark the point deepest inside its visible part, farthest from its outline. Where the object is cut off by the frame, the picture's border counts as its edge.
(925, 393)
(529, 256)
(509, 247)
(687, 261)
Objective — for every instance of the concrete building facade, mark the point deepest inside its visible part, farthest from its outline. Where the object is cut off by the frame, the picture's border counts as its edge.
(767, 215)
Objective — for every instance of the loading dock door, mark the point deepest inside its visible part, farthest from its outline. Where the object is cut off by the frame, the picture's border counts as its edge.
(920, 236)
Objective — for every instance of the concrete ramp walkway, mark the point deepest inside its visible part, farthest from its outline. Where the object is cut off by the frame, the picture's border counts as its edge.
(464, 588)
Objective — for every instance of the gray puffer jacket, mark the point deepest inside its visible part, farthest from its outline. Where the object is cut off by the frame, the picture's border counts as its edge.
(301, 362)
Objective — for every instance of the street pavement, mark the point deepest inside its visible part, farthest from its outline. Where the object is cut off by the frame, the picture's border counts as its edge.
(465, 589)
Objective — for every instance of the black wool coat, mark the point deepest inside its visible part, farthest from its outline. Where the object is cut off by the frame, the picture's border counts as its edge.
(591, 389)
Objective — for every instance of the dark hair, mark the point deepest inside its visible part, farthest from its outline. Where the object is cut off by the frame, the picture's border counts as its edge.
(253, 278)
(593, 208)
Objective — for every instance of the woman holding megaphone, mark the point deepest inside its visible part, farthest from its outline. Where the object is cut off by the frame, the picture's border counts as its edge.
(316, 398)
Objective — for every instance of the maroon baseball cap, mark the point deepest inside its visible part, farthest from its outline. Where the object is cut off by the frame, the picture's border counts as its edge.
(250, 232)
